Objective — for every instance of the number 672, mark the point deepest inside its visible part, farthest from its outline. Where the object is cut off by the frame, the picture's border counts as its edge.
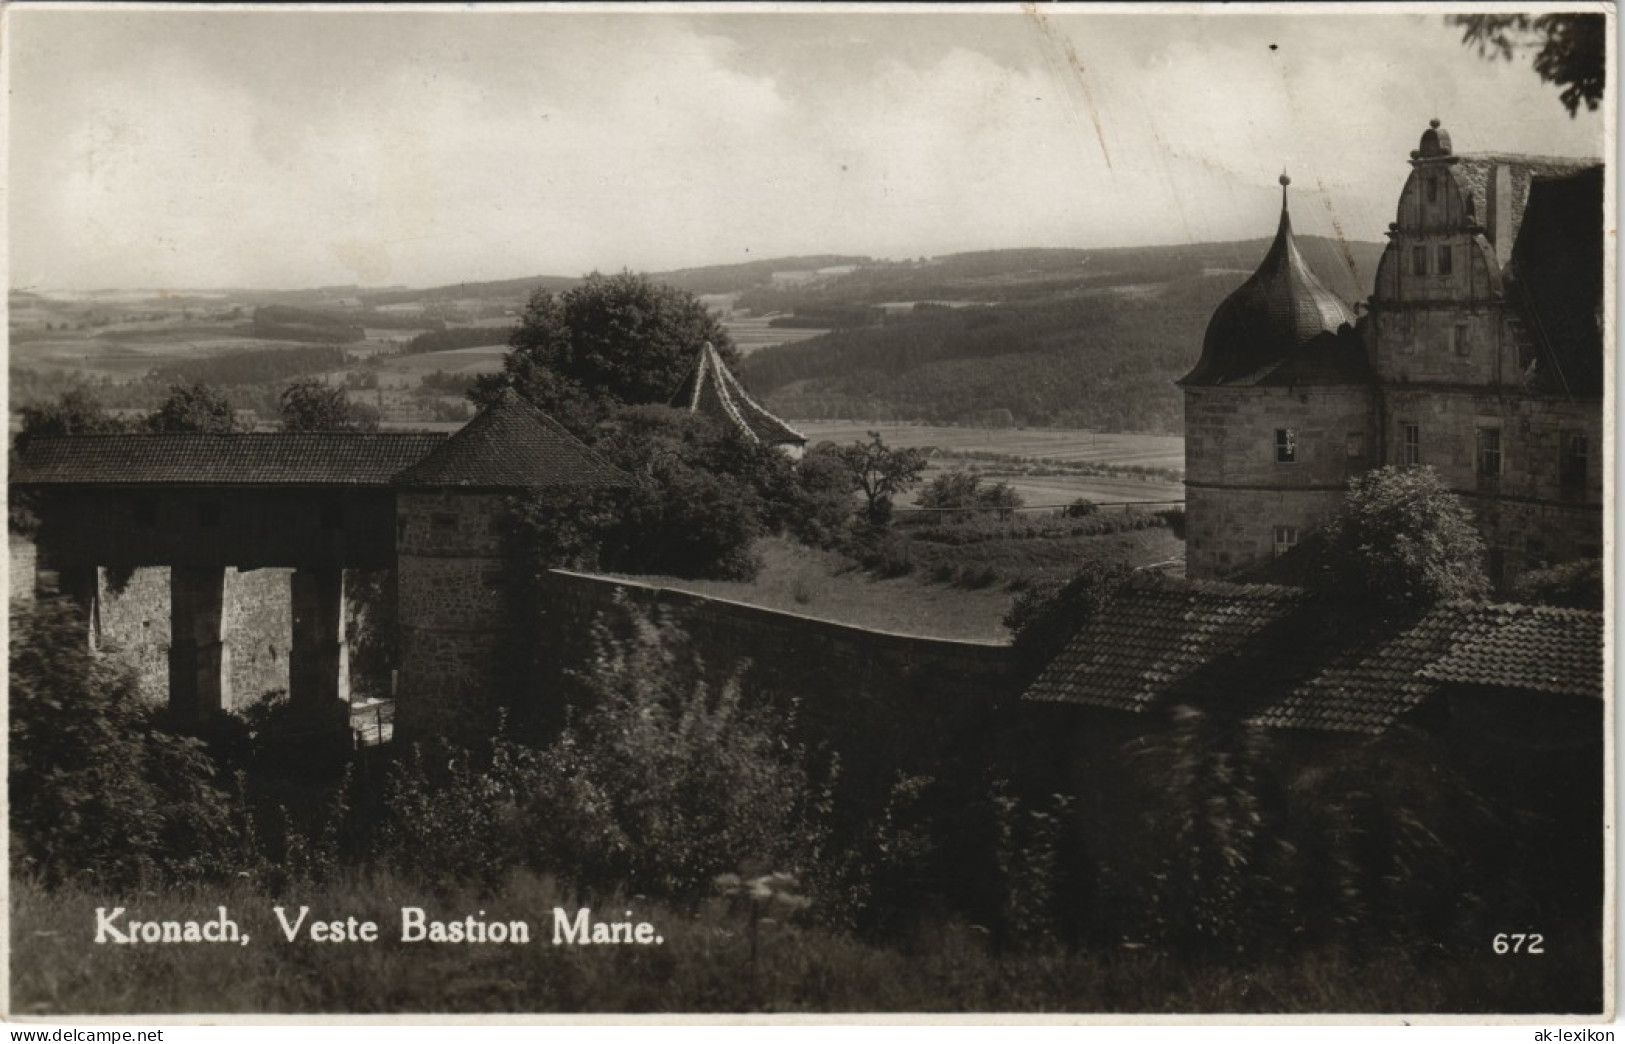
(1519, 942)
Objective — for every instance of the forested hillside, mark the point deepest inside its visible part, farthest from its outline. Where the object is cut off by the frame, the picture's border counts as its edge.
(1057, 337)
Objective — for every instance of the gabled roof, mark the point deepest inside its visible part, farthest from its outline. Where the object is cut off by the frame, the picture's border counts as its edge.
(328, 458)
(712, 389)
(512, 445)
(1265, 322)
(1280, 657)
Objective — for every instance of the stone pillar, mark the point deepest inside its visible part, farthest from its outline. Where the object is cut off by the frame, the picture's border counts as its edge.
(199, 662)
(319, 661)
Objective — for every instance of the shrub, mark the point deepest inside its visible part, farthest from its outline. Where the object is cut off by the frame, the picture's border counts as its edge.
(1079, 508)
(100, 791)
(451, 816)
(1401, 538)
(1572, 585)
(663, 781)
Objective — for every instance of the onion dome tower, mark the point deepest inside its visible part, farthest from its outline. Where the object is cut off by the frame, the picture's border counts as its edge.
(1269, 319)
(1278, 415)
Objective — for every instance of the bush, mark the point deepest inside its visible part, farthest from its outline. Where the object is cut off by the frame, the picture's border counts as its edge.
(1572, 585)
(1402, 539)
(100, 792)
(663, 781)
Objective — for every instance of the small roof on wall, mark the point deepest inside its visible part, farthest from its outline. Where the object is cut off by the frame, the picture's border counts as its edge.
(512, 445)
(1277, 657)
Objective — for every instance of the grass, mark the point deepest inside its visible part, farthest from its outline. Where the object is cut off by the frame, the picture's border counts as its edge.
(949, 591)
(825, 585)
(703, 966)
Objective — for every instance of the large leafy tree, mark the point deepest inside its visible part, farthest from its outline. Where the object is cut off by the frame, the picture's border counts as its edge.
(311, 405)
(193, 407)
(1402, 539)
(612, 341)
(1570, 50)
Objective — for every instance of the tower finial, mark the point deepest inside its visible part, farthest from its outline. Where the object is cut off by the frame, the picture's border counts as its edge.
(1285, 181)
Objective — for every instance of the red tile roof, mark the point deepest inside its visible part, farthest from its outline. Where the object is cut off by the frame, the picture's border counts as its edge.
(244, 459)
(512, 445)
(1282, 658)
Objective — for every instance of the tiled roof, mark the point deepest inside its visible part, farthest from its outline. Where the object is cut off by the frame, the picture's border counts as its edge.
(248, 459)
(1281, 658)
(1526, 647)
(512, 445)
(713, 390)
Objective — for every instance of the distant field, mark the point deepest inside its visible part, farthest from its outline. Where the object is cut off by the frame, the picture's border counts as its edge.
(461, 360)
(1057, 444)
(123, 359)
(753, 333)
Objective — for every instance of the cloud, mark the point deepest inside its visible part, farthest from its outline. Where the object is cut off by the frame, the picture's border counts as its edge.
(289, 149)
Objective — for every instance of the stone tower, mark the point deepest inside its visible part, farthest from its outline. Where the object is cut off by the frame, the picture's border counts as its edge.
(1278, 412)
(456, 617)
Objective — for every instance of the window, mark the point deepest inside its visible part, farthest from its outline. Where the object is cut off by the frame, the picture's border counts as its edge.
(1286, 538)
(1286, 445)
(1433, 190)
(1458, 339)
(1193, 447)
(1575, 448)
(442, 525)
(1419, 261)
(1410, 448)
(1356, 444)
(1444, 260)
(1489, 453)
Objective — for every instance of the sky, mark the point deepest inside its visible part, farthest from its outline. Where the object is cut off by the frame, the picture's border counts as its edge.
(202, 148)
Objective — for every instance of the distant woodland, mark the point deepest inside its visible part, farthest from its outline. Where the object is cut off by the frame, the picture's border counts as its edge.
(1072, 338)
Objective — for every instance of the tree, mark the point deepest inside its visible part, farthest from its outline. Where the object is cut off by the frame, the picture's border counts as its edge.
(75, 412)
(1402, 539)
(1571, 50)
(880, 473)
(612, 341)
(311, 405)
(193, 407)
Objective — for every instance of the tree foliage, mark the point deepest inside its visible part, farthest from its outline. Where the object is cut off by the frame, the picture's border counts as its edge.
(74, 412)
(703, 492)
(1044, 617)
(1570, 50)
(962, 491)
(311, 405)
(99, 791)
(194, 407)
(880, 472)
(1402, 539)
(612, 341)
